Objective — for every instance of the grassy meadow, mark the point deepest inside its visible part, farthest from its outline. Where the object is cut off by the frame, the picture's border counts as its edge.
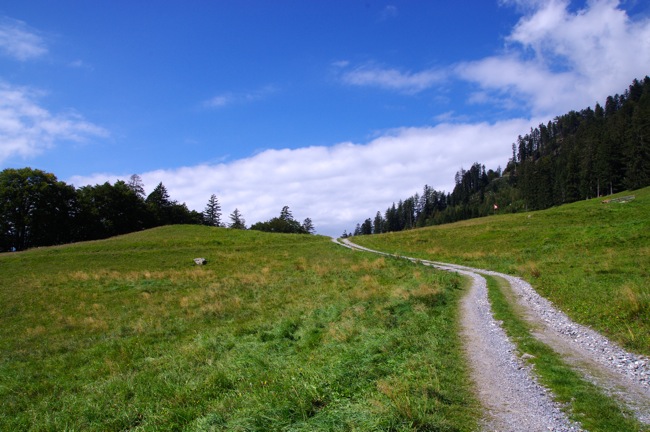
(592, 259)
(276, 332)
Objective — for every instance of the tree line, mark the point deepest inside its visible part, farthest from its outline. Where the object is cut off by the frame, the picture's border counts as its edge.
(579, 155)
(36, 209)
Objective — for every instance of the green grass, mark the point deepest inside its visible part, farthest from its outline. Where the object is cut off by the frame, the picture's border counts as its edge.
(277, 332)
(591, 259)
(586, 403)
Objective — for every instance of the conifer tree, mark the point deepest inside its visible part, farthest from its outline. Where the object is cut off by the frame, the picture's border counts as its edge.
(236, 220)
(308, 226)
(212, 212)
(160, 205)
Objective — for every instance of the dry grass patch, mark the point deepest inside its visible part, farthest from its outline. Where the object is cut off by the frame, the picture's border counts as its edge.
(530, 268)
(473, 255)
(369, 265)
(35, 331)
(635, 298)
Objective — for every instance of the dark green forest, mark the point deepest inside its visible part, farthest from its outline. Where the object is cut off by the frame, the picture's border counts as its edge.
(36, 209)
(579, 155)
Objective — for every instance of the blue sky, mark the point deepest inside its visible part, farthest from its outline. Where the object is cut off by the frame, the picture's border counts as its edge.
(334, 108)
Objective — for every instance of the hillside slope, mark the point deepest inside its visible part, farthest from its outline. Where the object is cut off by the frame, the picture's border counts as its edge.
(591, 259)
(276, 332)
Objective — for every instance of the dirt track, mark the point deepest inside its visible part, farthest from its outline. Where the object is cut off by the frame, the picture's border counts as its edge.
(505, 385)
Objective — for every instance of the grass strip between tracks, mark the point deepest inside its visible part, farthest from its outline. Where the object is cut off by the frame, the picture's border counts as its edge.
(586, 403)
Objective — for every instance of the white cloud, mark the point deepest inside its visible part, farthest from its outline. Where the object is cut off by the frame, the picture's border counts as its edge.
(218, 101)
(225, 99)
(341, 185)
(341, 64)
(557, 60)
(554, 60)
(80, 64)
(388, 12)
(27, 129)
(393, 79)
(17, 40)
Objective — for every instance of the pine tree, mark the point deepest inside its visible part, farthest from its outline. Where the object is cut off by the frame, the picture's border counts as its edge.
(285, 214)
(366, 227)
(378, 224)
(160, 205)
(308, 226)
(159, 197)
(212, 212)
(236, 220)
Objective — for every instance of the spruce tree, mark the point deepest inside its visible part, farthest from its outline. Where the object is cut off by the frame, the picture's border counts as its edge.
(236, 220)
(212, 212)
(160, 205)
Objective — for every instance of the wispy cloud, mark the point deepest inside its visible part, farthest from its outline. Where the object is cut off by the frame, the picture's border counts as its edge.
(27, 129)
(554, 60)
(393, 79)
(19, 41)
(557, 60)
(218, 101)
(388, 12)
(80, 64)
(230, 98)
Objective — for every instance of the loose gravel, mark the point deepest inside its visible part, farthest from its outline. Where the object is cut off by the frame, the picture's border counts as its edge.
(513, 398)
(623, 375)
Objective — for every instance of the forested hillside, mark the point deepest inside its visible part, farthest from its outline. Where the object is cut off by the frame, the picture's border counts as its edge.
(36, 209)
(579, 155)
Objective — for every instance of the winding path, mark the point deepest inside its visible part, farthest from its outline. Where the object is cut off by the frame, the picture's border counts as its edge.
(506, 386)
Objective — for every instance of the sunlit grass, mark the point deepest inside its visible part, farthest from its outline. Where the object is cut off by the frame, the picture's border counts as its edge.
(590, 258)
(277, 332)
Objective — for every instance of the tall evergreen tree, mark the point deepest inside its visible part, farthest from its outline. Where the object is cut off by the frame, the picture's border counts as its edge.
(638, 166)
(160, 205)
(366, 227)
(212, 212)
(308, 226)
(236, 220)
(285, 214)
(378, 224)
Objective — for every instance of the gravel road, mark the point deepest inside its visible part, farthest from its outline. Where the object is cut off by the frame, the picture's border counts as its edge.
(513, 399)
